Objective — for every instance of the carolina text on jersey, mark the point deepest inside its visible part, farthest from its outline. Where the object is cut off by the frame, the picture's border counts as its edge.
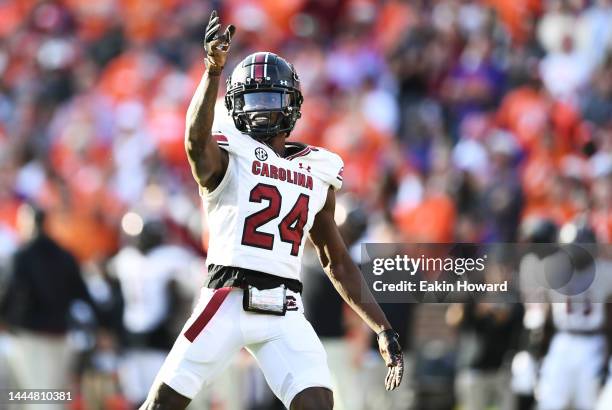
(282, 174)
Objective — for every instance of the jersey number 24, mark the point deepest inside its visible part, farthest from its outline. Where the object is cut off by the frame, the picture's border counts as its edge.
(290, 228)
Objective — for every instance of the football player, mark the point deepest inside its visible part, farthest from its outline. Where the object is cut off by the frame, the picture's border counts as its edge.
(579, 284)
(263, 196)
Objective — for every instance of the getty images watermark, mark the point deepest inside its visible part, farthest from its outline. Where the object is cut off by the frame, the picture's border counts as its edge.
(422, 264)
(508, 272)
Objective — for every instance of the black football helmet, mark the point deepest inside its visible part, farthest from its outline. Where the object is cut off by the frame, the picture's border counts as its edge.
(263, 95)
(539, 230)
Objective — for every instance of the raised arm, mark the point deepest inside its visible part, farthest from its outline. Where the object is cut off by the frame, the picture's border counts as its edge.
(208, 162)
(348, 281)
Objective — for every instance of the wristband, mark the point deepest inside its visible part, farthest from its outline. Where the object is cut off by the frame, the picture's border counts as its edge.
(392, 334)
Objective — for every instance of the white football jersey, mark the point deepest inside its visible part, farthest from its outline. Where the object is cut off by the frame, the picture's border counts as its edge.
(586, 310)
(262, 210)
(144, 282)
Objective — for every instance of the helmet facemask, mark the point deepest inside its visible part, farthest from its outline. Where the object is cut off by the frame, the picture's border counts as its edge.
(263, 114)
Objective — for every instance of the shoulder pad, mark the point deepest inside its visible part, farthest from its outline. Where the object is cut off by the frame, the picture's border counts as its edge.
(230, 139)
(325, 164)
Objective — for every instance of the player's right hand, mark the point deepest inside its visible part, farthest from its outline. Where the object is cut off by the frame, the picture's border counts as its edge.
(390, 350)
(217, 46)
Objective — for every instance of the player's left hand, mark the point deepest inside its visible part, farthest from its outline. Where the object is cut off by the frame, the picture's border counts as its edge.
(390, 350)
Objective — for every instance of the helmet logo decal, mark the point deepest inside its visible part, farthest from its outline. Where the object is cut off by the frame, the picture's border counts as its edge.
(259, 67)
(261, 154)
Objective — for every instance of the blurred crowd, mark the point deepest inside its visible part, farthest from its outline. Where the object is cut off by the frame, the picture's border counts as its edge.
(458, 121)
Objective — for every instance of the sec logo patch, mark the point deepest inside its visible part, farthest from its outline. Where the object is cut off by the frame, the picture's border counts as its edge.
(261, 154)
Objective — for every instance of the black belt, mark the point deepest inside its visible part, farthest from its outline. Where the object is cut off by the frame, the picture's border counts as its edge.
(220, 276)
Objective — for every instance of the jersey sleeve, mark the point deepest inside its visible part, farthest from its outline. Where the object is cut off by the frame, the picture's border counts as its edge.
(328, 165)
(235, 143)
